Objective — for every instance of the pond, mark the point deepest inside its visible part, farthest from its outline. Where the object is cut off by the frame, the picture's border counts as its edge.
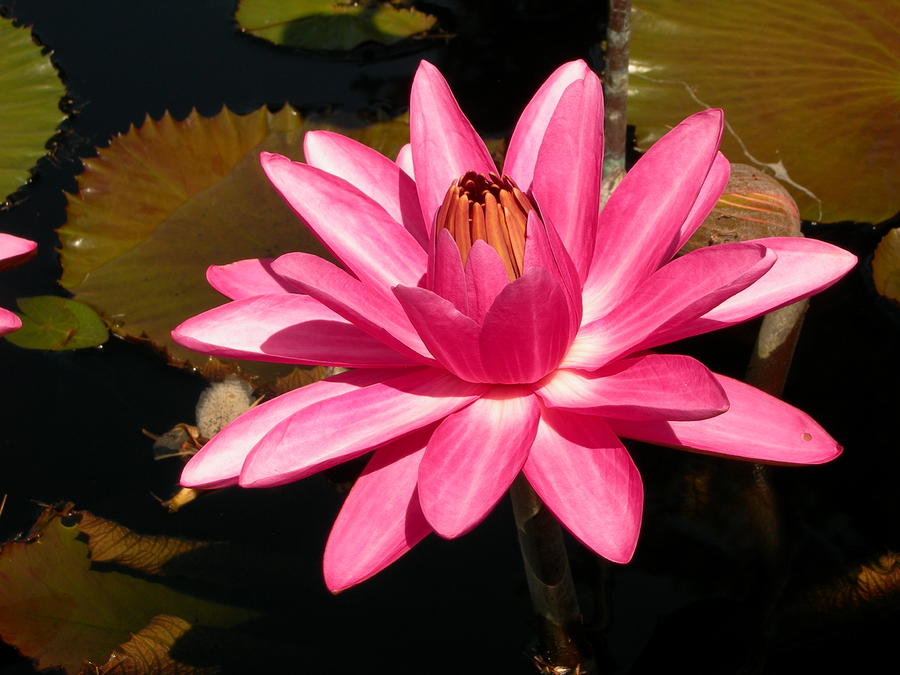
(736, 570)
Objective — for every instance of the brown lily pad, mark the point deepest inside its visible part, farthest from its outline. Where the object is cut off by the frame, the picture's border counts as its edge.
(169, 198)
(57, 608)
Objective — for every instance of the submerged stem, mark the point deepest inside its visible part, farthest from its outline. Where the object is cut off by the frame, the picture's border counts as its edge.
(615, 93)
(550, 585)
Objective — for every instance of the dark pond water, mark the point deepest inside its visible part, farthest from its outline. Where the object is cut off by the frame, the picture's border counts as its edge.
(698, 594)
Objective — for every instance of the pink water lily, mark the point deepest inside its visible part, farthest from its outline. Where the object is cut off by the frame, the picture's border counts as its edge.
(500, 323)
(13, 251)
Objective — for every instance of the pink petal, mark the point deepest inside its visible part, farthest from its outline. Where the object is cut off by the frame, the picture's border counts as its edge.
(757, 426)
(528, 136)
(8, 322)
(334, 430)
(218, 463)
(375, 313)
(404, 160)
(566, 183)
(444, 144)
(803, 268)
(361, 234)
(525, 332)
(677, 293)
(15, 250)
(584, 475)
(370, 172)
(448, 279)
(644, 214)
(485, 278)
(245, 279)
(648, 387)
(473, 457)
(381, 518)
(710, 191)
(451, 336)
(284, 329)
(544, 248)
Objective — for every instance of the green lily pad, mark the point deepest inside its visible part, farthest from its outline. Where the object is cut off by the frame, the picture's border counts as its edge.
(30, 92)
(57, 324)
(166, 200)
(330, 24)
(59, 610)
(810, 91)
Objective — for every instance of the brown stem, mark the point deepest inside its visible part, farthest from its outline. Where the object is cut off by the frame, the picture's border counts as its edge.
(615, 94)
(550, 585)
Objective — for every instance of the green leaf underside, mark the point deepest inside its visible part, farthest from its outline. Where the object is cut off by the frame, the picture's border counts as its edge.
(58, 610)
(330, 25)
(810, 90)
(57, 324)
(166, 200)
(30, 92)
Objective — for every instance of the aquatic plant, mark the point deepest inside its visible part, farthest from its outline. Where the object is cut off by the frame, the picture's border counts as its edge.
(499, 325)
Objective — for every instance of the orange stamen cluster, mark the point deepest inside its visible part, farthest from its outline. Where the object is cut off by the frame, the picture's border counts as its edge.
(489, 208)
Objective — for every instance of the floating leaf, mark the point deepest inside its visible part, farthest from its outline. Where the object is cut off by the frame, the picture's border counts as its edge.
(330, 24)
(166, 200)
(57, 324)
(810, 91)
(753, 206)
(29, 105)
(111, 542)
(56, 608)
(886, 266)
(148, 651)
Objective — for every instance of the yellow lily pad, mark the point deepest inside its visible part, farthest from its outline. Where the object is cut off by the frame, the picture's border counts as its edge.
(169, 198)
(330, 24)
(30, 92)
(810, 91)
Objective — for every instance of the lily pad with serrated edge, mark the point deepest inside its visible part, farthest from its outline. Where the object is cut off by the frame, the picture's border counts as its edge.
(167, 199)
(57, 324)
(330, 24)
(810, 89)
(30, 91)
(59, 610)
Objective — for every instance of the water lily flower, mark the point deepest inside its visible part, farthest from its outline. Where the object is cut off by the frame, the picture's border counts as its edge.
(13, 251)
(499, 322)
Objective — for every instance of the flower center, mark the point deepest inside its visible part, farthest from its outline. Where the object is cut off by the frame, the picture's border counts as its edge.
(489, 208)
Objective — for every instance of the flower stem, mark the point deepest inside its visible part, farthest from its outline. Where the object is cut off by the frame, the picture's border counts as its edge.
(561, 651)
(615, 93)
